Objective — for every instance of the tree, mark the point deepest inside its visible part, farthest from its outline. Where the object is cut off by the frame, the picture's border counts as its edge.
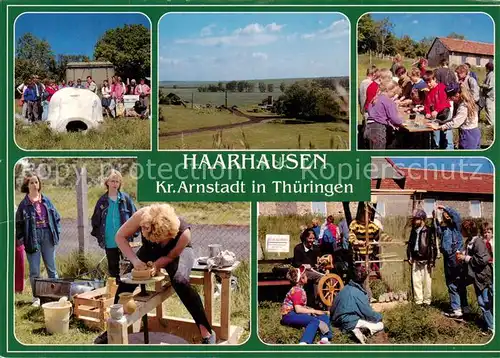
(423, 46)
(406, 46)
(383, 32)
(270, 87)
(221, 87)
(62, 63)
(232, 86)
(282, 86)
(33, 56)
(454, 35)
(128, 48)
(241, 86)
(366, 30)
(262, 87)
(250, 86)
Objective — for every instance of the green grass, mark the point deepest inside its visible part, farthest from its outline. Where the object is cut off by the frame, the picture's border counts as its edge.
(112, 134)
(178, 118)
(276, 135)
(408, 324)
(29, 321)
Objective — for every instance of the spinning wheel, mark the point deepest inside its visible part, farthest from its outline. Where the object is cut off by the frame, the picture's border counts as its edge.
(328, 287)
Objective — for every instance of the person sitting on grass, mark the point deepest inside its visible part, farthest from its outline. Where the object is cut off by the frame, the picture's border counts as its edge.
(140, 109)
(167, 243)
(351, 310)
(451, 241)
(421, 252)
(476, 261)
(295, 313)
(306, 255)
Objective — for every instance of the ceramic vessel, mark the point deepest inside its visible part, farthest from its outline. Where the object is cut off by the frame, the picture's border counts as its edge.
(116, 311)
(127, 300)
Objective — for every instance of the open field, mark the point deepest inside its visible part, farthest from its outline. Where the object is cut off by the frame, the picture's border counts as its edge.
(120, 133)
(405, 324)
(270, 135)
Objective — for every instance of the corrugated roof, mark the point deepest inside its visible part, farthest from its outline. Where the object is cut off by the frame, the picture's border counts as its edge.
(465, 46)
(90, 64)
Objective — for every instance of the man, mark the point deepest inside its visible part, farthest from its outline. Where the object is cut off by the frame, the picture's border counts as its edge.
(38, 88)
(79, 84)
(144, 92)
(451, 241)
(421, 253)
(91, 86)
(306, 254)
(488, 94)
(351, 310)
(444, 74)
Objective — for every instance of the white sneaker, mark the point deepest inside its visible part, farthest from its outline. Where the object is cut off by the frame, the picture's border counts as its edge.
(302, 343)
(324, 340)
(35, 302)
(359, 335)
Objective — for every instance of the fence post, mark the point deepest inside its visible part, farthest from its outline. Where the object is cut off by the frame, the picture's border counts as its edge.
(192, 100)
(82, 208)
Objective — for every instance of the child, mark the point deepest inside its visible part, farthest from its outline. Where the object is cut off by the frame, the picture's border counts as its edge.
(295, 313)
(406, 85)
(421, 252)
(419, 89)
(436, 104)
(317, 229)
(464, 117)
(111, 211)
(383, 116)
(371, 75)
(465, 80)
(487, 235)
(475, 258)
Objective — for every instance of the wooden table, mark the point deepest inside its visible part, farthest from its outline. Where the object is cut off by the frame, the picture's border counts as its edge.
(411, 126)
(118, 329)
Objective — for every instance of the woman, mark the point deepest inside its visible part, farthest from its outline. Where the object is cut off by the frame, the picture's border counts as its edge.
(465, 117)
(38, 229)
(295, 313)
(106, 99)
(476, 261)
(117, 92)
(111, 211)
(167, 243)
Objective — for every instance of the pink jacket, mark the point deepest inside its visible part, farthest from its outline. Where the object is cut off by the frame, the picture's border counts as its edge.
(117, 91)
(142, 89)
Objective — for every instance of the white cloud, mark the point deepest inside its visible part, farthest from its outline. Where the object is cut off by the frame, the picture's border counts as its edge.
(207, 30)
(414, 22)
(251, 35)
(169, 61)
(335, 29)
(260, 55)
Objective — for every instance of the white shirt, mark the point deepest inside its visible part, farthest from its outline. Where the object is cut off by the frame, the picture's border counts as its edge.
(106, 92)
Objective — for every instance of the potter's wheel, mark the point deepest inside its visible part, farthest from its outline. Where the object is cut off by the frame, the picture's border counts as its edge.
(127, 278)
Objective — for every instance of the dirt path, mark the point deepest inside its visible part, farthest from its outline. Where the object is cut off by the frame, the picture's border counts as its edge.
(251, 120)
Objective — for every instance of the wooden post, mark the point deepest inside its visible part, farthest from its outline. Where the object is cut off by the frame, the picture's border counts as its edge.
(192, 100)
(117, 331)
(208, 292)
(82, 208)
(225, 306)
(225, 98)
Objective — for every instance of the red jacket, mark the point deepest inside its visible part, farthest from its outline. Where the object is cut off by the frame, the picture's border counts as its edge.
(437, 99)
(51, 92)
(371, 92)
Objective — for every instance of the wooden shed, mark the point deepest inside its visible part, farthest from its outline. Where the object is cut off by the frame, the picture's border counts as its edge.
(458, 52)
(99, 71)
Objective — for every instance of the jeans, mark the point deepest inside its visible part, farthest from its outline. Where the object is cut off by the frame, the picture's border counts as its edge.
(45, 110)
(311, 323)
(456, 288)
(47, 251)
(178, 271)
(485, 303)
(443, 139)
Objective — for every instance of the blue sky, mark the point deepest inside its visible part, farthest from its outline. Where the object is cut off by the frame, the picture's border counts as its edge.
(74, 34)
(454, 164)
(475, 27)
(212, 47)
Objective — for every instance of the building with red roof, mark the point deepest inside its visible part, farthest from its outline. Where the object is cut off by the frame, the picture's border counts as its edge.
(458, 52)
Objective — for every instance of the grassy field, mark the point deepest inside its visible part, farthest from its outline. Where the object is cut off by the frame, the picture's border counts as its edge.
(278, 134)
(213, 213)
(113, 134)
(29, 321)
(405, 324)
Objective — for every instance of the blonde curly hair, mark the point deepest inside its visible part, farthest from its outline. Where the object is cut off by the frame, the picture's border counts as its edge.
(159, 223)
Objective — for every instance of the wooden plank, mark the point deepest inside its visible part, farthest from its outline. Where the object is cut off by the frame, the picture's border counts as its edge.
(159, 308)
(274, 283)
(225, 304)
(92, 294)
(208, 293)
(149, 306)
(196, 280)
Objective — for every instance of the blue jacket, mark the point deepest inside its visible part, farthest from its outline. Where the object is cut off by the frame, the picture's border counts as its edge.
(126, 207)
(344, 231)
(26, 223)
(451, 237)
(30, 94)
(350, 305)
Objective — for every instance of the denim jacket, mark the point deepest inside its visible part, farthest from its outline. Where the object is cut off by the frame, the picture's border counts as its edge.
(451, 237)
(126, 207)
(26, 223)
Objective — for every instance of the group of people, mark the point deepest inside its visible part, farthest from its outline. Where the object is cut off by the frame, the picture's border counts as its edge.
(450, 99)
(465, 263)
(166, 241)
(36, 96)
(467, 251)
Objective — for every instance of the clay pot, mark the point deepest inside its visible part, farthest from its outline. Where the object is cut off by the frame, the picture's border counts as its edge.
(116, 311)
(127, 300)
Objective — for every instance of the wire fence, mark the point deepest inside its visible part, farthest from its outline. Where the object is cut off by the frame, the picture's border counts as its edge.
(76, 191)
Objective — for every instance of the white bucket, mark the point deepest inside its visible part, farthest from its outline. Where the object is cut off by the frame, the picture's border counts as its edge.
(57, 316)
